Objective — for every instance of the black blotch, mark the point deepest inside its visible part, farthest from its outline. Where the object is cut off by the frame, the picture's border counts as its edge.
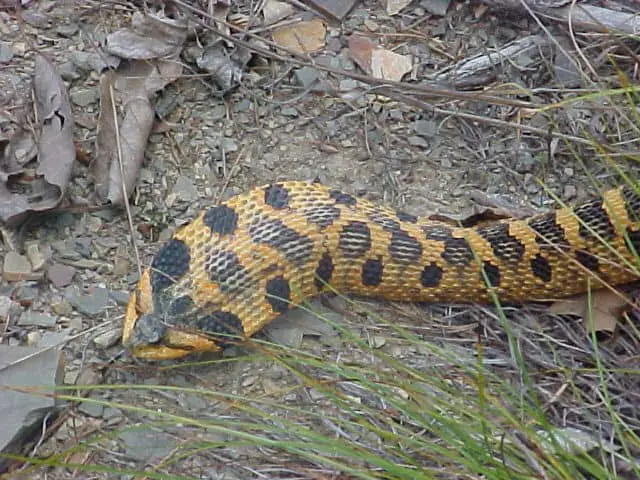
(221, 219)
(170, 263)
(180, 306)
(324, 270)
(593, 218)
(276, 196)
(355, 239)
(431, 275)
(631, 203)
(321, 215)
(404, 248)
(588, 260)
(491, 274)
(633, 239)
(387, 223)
(220, 322)
(406, 217)
(436, 232)
(457, 251)
(343, 198)
(548, 231)
(277, 235)
(371, 272)
(277, 294)
(224, 269)
(541, 268)
(505, 246)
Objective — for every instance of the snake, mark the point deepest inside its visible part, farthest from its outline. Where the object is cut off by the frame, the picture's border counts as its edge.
(240, 264)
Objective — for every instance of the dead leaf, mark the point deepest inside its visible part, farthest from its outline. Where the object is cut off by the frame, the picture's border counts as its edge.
(28, 183)
(302, 37)
(149, 36)
(226, 69)
(388, 65)
(605, 309)
(131, 86)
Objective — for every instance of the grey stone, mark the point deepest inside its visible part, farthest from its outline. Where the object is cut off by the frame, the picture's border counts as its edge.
(570, 192)
(244, 105)
(289, 112)
(37, 319)
(91, 409)
(107, 339)
(525, 161)
(111, 413)
(184, 189)
(306, 76)
(347, 84)
(82, 245)
(436, 7)
(220, 111)
(6, 52)
(93, 61)
(60, 275)
(425, 128)
(119, 296)
(16, 267)
(91, 304)
(145, 445)
(68, 71)
(27, 293)
(22, 413)
(417, 141)
(67, 29)
(83, 97)
(52, 339)
(36, 18)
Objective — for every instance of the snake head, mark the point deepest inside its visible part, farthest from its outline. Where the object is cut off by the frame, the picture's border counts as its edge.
(148, 335)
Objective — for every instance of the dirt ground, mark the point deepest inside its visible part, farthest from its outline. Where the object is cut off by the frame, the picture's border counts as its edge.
(270, 128)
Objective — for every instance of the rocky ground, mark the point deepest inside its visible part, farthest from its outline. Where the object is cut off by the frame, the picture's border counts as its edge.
(80, 263)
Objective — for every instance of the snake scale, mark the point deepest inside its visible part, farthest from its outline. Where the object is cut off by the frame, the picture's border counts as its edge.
(240, 264)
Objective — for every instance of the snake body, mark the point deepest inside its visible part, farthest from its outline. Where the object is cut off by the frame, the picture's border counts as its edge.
(240, 264)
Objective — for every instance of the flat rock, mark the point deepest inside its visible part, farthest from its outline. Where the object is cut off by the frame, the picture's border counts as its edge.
(91, 304)
(107, 339)
(22, 413)
(36, 319)
(60, 275)
(184, 189)
(147, 445)
(334, 9)
(16, 267)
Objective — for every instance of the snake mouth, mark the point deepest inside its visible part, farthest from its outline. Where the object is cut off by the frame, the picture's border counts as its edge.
(161, 342)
